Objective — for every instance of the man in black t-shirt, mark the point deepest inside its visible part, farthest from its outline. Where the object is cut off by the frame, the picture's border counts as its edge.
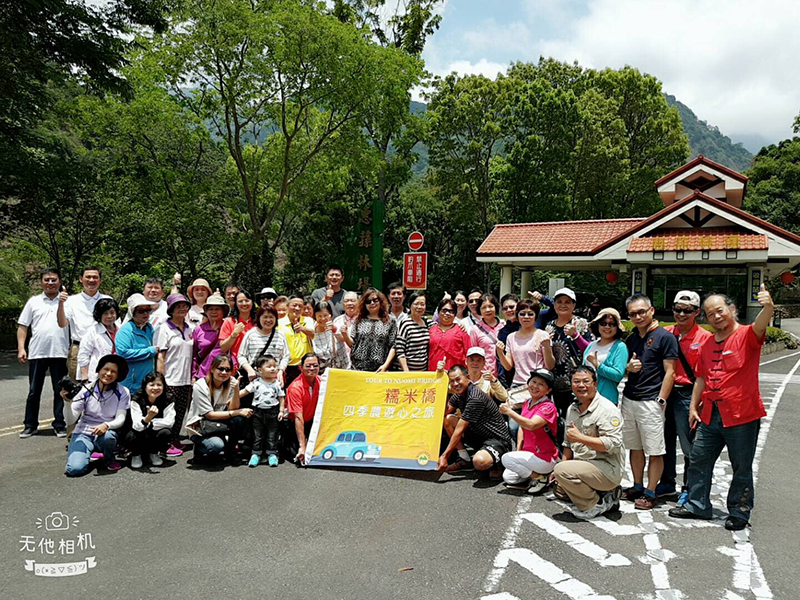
(653, 352)
(481, 426)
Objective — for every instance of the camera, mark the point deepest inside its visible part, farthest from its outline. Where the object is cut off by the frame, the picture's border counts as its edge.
(66, 383)
(56, 521)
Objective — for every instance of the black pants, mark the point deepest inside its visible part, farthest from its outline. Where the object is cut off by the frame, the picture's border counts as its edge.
(181, 396)
(265, 430)
(37, 371)
(148, 441)
(289, 442)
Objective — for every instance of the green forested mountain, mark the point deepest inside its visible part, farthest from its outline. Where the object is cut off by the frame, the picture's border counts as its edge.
(709, 141)
(703, 139)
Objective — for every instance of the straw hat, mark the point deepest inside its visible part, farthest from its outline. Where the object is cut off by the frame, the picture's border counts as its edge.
(197, 283)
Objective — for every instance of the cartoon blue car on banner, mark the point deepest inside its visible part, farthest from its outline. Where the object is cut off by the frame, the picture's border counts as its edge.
(352, 445)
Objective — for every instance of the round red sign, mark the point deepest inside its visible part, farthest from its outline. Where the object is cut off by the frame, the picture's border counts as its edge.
(415, 240)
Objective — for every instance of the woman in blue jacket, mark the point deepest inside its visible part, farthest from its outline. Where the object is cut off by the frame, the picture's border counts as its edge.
(607, 353)
(134, 342)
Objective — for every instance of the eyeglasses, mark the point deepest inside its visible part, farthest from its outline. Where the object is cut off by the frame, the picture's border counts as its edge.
(683, 311)
(638, 313)
(526, 314)
(224, 369)
(608, 324)
(311, 366)
(372, 301)
(448, 311)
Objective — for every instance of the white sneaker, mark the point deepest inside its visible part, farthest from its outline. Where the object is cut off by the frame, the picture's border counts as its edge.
(156, 460)
(597, 510)
(136, 462)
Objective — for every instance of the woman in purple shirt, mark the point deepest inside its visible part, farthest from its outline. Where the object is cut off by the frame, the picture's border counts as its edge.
(206, 336)
(99, 411)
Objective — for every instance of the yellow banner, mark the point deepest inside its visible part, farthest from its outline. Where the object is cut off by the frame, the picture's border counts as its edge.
(386, 420)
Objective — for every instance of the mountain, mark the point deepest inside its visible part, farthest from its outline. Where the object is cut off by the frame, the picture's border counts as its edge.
(709, 141)
(704, 139)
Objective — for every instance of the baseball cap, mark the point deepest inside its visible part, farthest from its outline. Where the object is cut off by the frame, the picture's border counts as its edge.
(687, 297)
(476, 350)
(267, 291)
(545, 374)
(565, 292)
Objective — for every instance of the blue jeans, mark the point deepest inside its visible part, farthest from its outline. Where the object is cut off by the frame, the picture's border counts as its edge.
(677, 425)
(211, 445)
(37, 371)
(741, 443)
(81, 448)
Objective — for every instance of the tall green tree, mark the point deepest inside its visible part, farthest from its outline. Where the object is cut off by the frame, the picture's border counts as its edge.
(773, 189)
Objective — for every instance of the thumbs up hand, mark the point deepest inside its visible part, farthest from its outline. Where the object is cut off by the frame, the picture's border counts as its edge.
(634, 365)
(593, 359)
(572, 434)
(62, 297)
(764, 298)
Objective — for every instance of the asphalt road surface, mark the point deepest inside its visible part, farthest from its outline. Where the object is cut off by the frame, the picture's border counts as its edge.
(287, 533)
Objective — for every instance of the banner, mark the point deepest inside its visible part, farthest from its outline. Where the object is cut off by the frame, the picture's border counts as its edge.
(386, 420)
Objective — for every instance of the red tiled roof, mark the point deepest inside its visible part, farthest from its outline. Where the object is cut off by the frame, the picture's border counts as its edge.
(554, 237)
(701, 160)
(713, 238)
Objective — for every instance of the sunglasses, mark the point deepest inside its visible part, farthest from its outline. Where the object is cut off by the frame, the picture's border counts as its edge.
(683, 311)
(638, 313)
(372, 301)
(510, 307)
(608, 324)
(526, 314)
(472, 301)
(449, 311)
(224, 369)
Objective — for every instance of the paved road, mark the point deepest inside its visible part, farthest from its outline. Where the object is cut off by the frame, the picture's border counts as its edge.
(315, 533)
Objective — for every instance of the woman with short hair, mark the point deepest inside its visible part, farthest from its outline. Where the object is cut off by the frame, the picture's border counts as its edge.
(484, 333)
(608, 353)
(448, 341)
(264, 339)
(99, 339)
(152, 418)
(328, 342)
(413, 337)
(373, 335)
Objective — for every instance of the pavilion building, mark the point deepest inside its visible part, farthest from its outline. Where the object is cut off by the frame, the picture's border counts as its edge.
(701, 240)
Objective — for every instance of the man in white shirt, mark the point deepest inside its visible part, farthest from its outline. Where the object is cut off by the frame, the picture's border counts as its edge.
(78, 313)
(47, 351)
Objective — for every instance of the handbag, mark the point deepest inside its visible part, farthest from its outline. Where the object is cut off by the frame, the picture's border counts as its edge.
(209, 428)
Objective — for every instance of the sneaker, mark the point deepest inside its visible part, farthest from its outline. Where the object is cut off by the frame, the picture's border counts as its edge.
(612, 499)
(632, 493)
(272, 460)
(28, 432)
(173, 450)
(735, 523)
(597, 510)
(683, 498)
(681, 512)
(665, 490)
(645, 503)
(254, 460)
(136, 462)
(156, 460)
(538, 485)
(96, 456)
(113, 465)
(62, 433)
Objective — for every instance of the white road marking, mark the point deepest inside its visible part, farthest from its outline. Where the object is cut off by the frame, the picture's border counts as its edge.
(768, 362)
(509, 539)
(599, 555)
(500, 596)
(550, 573)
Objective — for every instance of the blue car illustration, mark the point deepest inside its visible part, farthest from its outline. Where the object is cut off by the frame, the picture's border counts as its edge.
(353, 445)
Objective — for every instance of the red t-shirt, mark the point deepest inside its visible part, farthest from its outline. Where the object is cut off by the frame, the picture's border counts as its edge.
(450, 346)
(730, 369)
(225, 332)
(690, 346)
(302, 400)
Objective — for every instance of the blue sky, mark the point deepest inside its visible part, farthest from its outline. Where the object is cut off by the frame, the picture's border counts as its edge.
(735, 63)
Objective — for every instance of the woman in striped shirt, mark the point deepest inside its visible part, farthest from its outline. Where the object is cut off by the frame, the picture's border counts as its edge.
(264, 339)
(413, 337)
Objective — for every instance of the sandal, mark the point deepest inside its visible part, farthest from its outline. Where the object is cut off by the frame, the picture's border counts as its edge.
(459, 465)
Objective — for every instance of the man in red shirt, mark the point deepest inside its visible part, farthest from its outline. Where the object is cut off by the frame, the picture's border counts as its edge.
(301, 400)
(726, 403)
(686, 309)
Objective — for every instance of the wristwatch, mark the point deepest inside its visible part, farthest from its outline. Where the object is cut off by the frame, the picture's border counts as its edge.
(661, 401)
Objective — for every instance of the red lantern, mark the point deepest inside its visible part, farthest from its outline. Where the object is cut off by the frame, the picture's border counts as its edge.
(787, 277)
(612, 277)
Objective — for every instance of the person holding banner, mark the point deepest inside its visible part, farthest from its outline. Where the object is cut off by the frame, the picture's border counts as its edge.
(481, 426)
(528, 467)
(301, 400)
(373, 335)
(448, 341)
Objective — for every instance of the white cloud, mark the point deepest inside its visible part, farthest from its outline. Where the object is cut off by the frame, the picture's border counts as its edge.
(734, 62)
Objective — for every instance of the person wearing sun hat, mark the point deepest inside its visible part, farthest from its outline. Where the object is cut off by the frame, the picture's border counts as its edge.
(99, 412)
(266, 297)
(134, 341)
(607, 354)
(207, 335)
(198, 293)
(176, 346)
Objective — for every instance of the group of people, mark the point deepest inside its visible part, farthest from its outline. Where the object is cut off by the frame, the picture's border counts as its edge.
(533, 395)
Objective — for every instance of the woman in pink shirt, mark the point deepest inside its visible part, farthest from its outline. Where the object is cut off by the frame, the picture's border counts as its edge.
(528, 348)
(484, 333)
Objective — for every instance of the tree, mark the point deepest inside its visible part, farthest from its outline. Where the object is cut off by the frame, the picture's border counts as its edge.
(773, 188)
(281, 83)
